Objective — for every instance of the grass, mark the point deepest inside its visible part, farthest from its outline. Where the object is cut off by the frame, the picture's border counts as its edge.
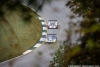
(18, 32)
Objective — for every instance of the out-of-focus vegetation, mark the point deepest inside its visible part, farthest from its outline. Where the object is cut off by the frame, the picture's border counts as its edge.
(86, 50)
(36, 4)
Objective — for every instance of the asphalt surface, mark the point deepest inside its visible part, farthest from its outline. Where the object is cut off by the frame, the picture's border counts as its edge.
(41, 56)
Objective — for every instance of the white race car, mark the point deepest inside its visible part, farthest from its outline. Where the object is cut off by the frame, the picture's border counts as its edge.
(52, 24)
(51, 38)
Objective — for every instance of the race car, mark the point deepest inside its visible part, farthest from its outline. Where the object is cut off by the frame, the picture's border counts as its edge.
(51, 38)
(52, 24)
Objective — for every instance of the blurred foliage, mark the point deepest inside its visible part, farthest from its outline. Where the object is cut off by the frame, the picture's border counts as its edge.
(13, 4)
(88, 51)
(85, 8)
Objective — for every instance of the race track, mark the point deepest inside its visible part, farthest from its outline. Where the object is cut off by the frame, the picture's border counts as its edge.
(41, 57)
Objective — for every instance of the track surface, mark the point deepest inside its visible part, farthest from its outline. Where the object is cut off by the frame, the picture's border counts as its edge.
(41, 57)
